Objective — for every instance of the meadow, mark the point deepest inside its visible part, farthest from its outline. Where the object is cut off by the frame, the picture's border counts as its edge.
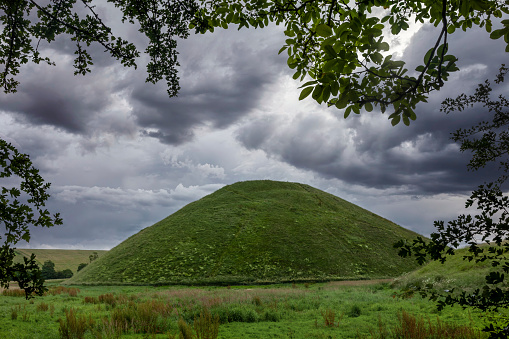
(366, 309)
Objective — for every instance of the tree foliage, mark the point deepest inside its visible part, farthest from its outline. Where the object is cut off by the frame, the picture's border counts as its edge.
(340, 46)
(21, 206)
(82, 266)
(489, 142)
(27, 23)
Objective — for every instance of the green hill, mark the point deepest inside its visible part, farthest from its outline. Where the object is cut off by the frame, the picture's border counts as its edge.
(63, 259)
(256, 232)
(454, 273)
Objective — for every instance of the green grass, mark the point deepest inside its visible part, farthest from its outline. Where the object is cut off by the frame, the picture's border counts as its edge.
(257, 232)
(63, 259)
(276, 311)
(454, 273)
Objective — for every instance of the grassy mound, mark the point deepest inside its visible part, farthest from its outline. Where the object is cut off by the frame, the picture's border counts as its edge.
(256, 232)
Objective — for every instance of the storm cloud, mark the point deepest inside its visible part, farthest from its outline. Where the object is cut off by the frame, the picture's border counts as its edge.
(121, 155)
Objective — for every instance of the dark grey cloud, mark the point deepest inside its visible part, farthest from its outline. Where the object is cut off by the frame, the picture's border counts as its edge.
(367, 151)
(223, 76)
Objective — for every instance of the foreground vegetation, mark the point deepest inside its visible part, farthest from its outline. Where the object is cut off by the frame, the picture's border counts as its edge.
(326, 310)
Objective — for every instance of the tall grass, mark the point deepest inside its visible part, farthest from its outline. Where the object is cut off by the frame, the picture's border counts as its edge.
(412, 327)
(74, 326)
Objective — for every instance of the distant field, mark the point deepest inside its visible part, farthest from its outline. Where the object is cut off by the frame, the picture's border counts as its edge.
(63, 259)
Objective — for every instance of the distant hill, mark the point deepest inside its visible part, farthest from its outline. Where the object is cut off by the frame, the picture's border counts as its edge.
(256, 232)
(63, 259)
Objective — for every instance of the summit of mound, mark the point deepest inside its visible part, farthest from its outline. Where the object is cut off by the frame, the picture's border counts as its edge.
(256, 232)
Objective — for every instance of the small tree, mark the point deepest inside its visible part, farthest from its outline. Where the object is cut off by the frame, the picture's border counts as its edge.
(48, 270)
(93, 256)
(21, 206)
(489, 142)
(82, 266)
(65, 274)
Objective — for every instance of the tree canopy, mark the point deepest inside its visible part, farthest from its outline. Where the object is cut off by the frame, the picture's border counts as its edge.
(21, 206)
(338, 47)
(489, 143)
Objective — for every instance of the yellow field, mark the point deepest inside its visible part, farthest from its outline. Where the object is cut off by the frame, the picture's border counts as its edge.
(63, 259)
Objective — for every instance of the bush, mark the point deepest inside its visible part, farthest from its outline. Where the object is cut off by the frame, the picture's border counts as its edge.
(82, 266)
(354, 311)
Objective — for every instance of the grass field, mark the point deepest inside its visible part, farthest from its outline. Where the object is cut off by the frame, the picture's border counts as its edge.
(325, 310)
(63, 259)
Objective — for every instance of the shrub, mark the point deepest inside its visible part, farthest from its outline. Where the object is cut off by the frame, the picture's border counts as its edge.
(354, 311)
(271, 315)
(81, 266)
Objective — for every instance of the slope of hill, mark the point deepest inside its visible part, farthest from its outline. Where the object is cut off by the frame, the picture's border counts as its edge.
(454, 273)
(255, 232)
(63, 259)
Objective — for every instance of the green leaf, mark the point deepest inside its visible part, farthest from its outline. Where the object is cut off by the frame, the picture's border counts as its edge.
(395, 120)
(406, 121)
(377, 58)
(451, 29)
(323, 30)
(384, 46)
(498, 33)
(348, 111)
(329, 65)
(317, 93)
(428, 56)
(305, 93)
(368, 106)
(342, 102)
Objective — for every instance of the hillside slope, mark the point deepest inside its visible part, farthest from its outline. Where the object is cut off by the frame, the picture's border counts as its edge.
(254, 232)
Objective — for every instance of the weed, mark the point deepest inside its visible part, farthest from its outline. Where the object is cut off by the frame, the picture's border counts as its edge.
(90, 300)
(25, 317)
(14, 313)
(329, 317)
(206, 326)
(42, 307)
(257, 301)
(108, 298)
(410, 327)
(14, 293)
(186, 332)
(73, 327)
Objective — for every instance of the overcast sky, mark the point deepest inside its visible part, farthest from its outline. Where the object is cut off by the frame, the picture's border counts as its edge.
(121, 155)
